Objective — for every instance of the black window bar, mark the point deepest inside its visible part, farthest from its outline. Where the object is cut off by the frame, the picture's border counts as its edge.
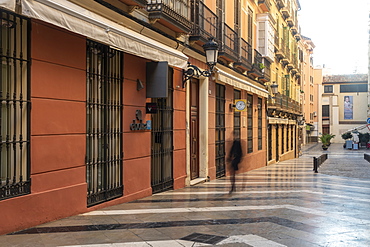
(269, 147)
(104, 123)
(237, 116)
(220, 130)
(250, 123)
(15, 106)
(259, 124)
(162, 144)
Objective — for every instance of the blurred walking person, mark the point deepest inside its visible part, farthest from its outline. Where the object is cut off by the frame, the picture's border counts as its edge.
(235, 156)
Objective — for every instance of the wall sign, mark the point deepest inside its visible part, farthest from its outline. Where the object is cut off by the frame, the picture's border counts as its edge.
(240, 105)
(137, 124)
(151, 108)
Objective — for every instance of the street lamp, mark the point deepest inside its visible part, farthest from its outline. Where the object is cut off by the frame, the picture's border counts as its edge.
(274, 88)
(211, 50)
(300, 119)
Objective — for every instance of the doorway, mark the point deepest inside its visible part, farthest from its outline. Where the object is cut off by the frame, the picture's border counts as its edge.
(194, 129)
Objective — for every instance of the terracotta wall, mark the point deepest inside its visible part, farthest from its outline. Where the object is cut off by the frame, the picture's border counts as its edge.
(58, 187)
(254, 160)
(179, 134)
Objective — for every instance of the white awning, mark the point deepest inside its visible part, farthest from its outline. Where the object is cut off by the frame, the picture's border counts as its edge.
(241, 83)
(74, 18)
(8, 4)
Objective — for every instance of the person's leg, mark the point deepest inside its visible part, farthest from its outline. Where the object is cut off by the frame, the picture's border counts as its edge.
(232, 180)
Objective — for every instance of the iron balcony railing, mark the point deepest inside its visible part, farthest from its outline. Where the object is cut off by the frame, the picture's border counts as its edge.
(174, 11)
(295, 61)
(267, 70)
(246, 54)
(284, 103)
(283, 46)
(205, 22)
(229, 42)
(257, 57)
(287, 53)
(276, 39)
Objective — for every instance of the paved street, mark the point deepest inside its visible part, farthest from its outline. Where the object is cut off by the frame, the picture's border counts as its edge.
(286, 204)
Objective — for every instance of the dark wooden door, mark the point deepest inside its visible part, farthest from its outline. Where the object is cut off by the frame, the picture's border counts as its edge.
(194, 129)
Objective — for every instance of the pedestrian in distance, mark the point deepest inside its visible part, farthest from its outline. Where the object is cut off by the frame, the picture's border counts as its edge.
(234, 158)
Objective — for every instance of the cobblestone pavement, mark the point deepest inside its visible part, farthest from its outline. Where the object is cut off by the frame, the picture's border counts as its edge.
(341, 162)
(285, 204)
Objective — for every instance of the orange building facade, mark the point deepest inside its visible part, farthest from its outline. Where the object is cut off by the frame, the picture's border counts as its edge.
(96, 111)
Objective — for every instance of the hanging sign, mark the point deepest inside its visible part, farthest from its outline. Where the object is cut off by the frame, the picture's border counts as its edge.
(151, 108)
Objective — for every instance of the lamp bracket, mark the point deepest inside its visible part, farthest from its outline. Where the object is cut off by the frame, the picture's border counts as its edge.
(193, 71)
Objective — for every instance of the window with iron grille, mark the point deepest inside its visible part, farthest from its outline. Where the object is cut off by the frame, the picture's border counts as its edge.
(269, 132)
(287, 137)
(162, 141)
(259, 124)
(283, 134)
(250, 123)
(104, 123)
(220, 130)
(237, 119)
(15, 106)
(291, 137)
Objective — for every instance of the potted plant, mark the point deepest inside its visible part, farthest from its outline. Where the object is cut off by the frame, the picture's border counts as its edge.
(259, 66)
(325, 140)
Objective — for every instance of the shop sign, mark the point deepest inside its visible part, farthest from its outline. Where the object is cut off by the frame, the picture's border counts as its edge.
(151, 108)
(137, 124)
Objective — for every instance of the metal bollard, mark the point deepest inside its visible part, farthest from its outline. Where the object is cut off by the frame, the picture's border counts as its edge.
(315, 164)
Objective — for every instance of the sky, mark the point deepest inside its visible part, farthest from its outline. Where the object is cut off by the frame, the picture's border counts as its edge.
(340, 31)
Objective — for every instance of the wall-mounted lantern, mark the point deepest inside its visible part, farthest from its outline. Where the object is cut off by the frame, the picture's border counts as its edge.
(211, 50)
(274, 88)
(300, 119)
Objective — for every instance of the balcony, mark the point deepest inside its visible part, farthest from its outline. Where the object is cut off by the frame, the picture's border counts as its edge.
(284, 104)
(297, 37)
(276, 40)
(205, 23)
(287, 54)
(266, 72)
(280, 3)
(294, 30)
(246, 56)
(290, 22)
(173, 14)
(257, 66)
(140, 3)
(265, 5)
(286, 12)
(229, 49)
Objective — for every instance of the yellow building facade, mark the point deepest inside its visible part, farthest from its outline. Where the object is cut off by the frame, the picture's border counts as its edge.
(285, 103)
